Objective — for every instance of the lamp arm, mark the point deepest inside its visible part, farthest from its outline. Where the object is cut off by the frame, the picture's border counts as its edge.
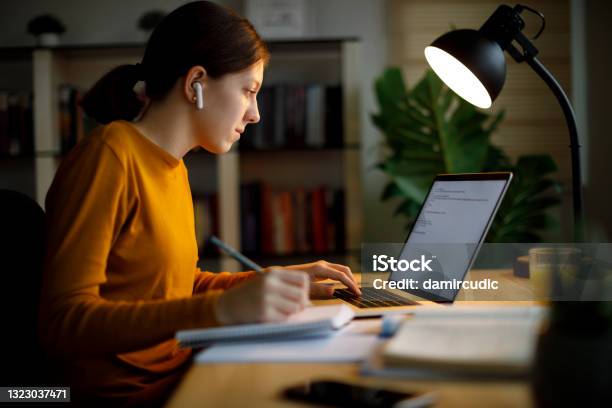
(505, 27)
(574, 146)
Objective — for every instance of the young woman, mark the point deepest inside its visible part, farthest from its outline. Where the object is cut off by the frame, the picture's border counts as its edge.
(120, 274)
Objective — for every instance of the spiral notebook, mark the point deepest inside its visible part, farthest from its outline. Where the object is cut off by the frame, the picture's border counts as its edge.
(315, 321)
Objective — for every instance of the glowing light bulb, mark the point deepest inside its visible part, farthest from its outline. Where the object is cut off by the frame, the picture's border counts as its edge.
(458, 77)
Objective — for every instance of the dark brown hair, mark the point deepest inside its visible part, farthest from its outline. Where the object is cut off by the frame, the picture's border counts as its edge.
(198, 33)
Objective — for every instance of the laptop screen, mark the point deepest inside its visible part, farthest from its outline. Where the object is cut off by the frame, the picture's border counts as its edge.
(457, 211)
(451, 225)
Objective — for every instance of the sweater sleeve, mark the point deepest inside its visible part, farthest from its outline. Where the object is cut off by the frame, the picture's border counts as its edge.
(205, 281)
(87, 206)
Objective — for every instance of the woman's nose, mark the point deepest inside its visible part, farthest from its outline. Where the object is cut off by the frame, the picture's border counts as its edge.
(253, 114)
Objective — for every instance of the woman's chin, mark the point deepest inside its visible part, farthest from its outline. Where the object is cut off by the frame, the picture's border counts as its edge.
(228, 147)
(218, 148)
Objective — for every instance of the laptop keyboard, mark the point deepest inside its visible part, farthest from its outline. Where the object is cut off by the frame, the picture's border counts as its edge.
(371, 297)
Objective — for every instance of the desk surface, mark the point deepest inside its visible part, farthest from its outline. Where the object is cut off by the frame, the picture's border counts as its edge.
(260, 385)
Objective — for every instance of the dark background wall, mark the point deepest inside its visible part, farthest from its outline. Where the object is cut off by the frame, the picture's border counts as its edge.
(598, 35)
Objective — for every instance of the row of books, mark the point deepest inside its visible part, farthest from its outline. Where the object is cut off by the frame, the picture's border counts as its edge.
(16, 123)
(284, 222)
(292, 116)
(293, 221)
(73, 123)
(296, 116)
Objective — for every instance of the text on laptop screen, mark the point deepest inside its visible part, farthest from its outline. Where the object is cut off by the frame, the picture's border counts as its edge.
(448, 231)
(457, 211)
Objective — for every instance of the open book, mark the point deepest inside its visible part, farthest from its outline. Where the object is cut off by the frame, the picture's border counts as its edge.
(315, 321)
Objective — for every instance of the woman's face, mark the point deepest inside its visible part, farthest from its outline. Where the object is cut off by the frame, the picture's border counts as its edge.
(229, 105)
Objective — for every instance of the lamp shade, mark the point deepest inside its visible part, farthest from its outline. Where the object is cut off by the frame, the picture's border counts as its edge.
(470, 64)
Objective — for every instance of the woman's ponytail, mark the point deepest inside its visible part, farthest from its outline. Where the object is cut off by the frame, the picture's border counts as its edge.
(112, 97)
(198, 33)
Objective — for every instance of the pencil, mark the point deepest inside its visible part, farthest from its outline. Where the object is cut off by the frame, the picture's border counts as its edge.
(235, 254)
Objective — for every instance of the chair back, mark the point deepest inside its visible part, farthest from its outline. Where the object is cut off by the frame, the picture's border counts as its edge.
(22, 229)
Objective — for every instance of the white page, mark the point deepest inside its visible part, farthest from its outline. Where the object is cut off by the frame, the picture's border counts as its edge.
(316, 320)
(339, 349)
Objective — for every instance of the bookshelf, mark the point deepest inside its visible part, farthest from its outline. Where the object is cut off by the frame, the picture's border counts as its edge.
(16, 165)
(328, 62)
(335, 165)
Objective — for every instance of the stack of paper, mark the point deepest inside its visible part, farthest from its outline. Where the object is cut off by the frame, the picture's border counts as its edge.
(318, 321)
(340, 348)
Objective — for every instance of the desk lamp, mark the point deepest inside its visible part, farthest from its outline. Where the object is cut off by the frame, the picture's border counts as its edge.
(472, 64)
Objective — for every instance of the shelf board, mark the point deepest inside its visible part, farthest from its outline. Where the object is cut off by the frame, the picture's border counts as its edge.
(305, 149)
(17, 157)
(16, 53)
(51, 153)
(33, 156)
(311, 40)
(312, 255)
(306, 41)
(200, 152)
(213, 263)
(99, 46)
(307, 44)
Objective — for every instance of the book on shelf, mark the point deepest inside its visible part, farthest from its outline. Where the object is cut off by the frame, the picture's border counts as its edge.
(291, 221)
(16, 123)
(315, 123)
(296, 116)
(74, 124)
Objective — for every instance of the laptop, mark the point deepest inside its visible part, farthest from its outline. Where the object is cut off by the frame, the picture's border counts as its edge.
(446, 236)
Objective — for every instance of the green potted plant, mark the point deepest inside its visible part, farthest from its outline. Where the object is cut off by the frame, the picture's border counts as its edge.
(429, 130)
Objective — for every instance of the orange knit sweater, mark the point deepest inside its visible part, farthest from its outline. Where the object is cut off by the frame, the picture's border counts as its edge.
(120, 274)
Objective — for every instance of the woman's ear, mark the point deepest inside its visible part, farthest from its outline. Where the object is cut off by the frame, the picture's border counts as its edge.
(195, 74)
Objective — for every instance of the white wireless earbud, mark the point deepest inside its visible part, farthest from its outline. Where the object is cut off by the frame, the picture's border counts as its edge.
(197, 87)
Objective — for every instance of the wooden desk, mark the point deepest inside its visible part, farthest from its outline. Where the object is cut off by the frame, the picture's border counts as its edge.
(261, 385)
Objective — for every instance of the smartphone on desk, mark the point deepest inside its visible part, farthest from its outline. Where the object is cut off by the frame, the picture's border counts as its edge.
(339, 394)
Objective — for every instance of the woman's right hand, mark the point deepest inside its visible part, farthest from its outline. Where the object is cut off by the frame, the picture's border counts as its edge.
(270, 297)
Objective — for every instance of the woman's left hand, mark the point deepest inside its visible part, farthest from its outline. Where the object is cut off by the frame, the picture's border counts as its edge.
(321, 270)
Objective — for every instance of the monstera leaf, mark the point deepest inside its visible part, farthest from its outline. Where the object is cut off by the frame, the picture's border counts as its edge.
(430, 130)
(524, 210)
